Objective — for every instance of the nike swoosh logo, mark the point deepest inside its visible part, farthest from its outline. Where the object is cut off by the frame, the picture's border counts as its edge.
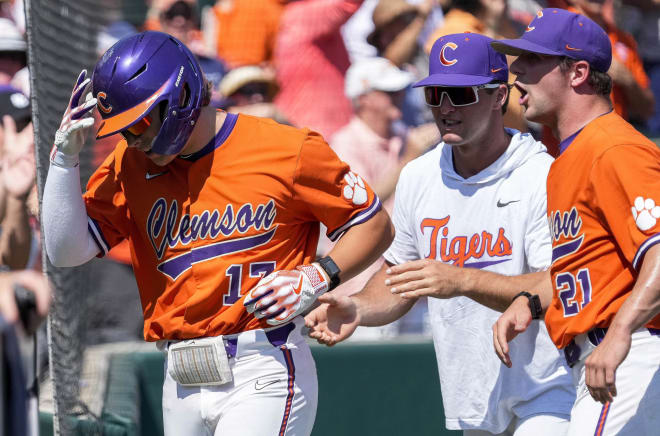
(298, 288)
(150, 176)
(495, 70)
(568, 47)
(259, 386)
(502, 204)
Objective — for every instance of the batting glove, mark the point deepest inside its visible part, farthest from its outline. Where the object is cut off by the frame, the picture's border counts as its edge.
(283, 295)
(77, 119)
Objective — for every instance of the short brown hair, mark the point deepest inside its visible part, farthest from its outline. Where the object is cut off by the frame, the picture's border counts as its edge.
(599, 81)
(508, 94)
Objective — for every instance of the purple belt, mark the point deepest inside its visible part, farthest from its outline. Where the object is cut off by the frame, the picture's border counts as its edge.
(277, 337)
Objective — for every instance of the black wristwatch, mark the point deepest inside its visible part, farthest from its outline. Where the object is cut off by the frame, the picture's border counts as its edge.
(534, 303)
(331, 269)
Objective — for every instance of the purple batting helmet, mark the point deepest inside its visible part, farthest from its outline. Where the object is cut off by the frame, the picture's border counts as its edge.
(140, 72)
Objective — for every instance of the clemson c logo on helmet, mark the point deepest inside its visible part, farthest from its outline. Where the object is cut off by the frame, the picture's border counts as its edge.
(443, 59)
(539, 14)
(99, 102)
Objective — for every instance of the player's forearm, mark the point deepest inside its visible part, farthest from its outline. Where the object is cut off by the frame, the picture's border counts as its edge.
(377, 305)
(16, 236)
(643, 303)
(362, 245)
(497, 291)
(67, 240)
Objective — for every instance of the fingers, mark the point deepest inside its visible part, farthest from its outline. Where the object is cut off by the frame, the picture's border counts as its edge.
(407, 266)
(81, 125)
(81, 78)
(78, 92)
(8, 309)
(501, 344)
(328, 298)
(254, 296)
(9, 125)
(600, 379)
(80, 111)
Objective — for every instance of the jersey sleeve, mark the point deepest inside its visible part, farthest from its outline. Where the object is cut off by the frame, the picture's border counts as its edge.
(625, 181)
(109, 217)
(403, 248)
(330, 191)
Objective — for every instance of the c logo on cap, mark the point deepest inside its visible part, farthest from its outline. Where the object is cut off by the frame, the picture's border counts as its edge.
(99, 101)
(443, 60)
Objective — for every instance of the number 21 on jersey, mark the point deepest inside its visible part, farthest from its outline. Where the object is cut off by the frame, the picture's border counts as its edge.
(567, 286)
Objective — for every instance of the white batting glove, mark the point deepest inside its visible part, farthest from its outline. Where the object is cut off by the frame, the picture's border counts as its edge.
(76, 121)
(283, 295)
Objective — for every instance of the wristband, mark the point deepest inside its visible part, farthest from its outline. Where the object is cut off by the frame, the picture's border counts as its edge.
(331, 269)
(534, 303)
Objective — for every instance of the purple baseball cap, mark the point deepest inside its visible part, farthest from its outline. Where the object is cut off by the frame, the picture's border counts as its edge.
(558, 32)
(464, 59)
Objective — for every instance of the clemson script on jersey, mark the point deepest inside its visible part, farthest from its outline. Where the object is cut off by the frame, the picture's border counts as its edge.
(206, 228)
(600, 234)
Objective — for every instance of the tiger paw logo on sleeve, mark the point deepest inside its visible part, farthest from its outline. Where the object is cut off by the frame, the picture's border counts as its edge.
(645, 212)
(354, 190)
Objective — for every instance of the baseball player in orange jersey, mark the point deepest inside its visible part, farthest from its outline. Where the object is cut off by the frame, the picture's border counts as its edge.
(222, 215)
(603, 293)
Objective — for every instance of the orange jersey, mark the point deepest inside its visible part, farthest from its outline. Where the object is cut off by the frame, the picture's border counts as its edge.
(602, 194)
(204, 229)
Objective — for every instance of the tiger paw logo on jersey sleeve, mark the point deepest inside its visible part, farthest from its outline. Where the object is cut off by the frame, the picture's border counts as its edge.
(645, 212)
(355, 190)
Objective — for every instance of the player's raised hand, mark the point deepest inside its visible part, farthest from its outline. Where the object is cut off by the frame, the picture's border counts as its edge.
(425, 277)
(510, 324)
(76, 121)
(19, 169)
(600, 367)
(283, 295)
(333, 321)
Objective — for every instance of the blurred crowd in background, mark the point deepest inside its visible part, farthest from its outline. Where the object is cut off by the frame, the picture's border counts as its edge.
(340, 67)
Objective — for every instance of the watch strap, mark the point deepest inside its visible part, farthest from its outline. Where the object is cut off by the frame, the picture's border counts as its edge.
(534, 303)
(331, 269)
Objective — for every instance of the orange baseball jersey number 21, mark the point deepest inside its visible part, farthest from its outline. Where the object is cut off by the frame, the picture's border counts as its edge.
(566, 285)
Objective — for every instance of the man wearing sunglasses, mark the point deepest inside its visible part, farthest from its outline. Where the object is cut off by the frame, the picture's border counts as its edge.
(222, 215)
(477, 201)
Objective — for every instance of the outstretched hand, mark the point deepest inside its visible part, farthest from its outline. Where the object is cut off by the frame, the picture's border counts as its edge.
(334, 320)
(510, 324)
(425, 278)
(19, 169)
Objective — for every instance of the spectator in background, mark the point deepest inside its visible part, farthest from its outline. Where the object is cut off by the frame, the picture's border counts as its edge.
(250, 90)
(372, 146)
(490, 18)
(14, 395)
(13, 57)
(648, 39)
(18, 246)
(243, 32)
(179, 20)
(311, 61)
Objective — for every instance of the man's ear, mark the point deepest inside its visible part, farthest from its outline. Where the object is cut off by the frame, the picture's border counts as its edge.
(502, 96)
(579, 73)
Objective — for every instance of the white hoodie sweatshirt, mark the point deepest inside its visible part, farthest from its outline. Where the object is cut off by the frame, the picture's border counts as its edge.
(494, 220)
